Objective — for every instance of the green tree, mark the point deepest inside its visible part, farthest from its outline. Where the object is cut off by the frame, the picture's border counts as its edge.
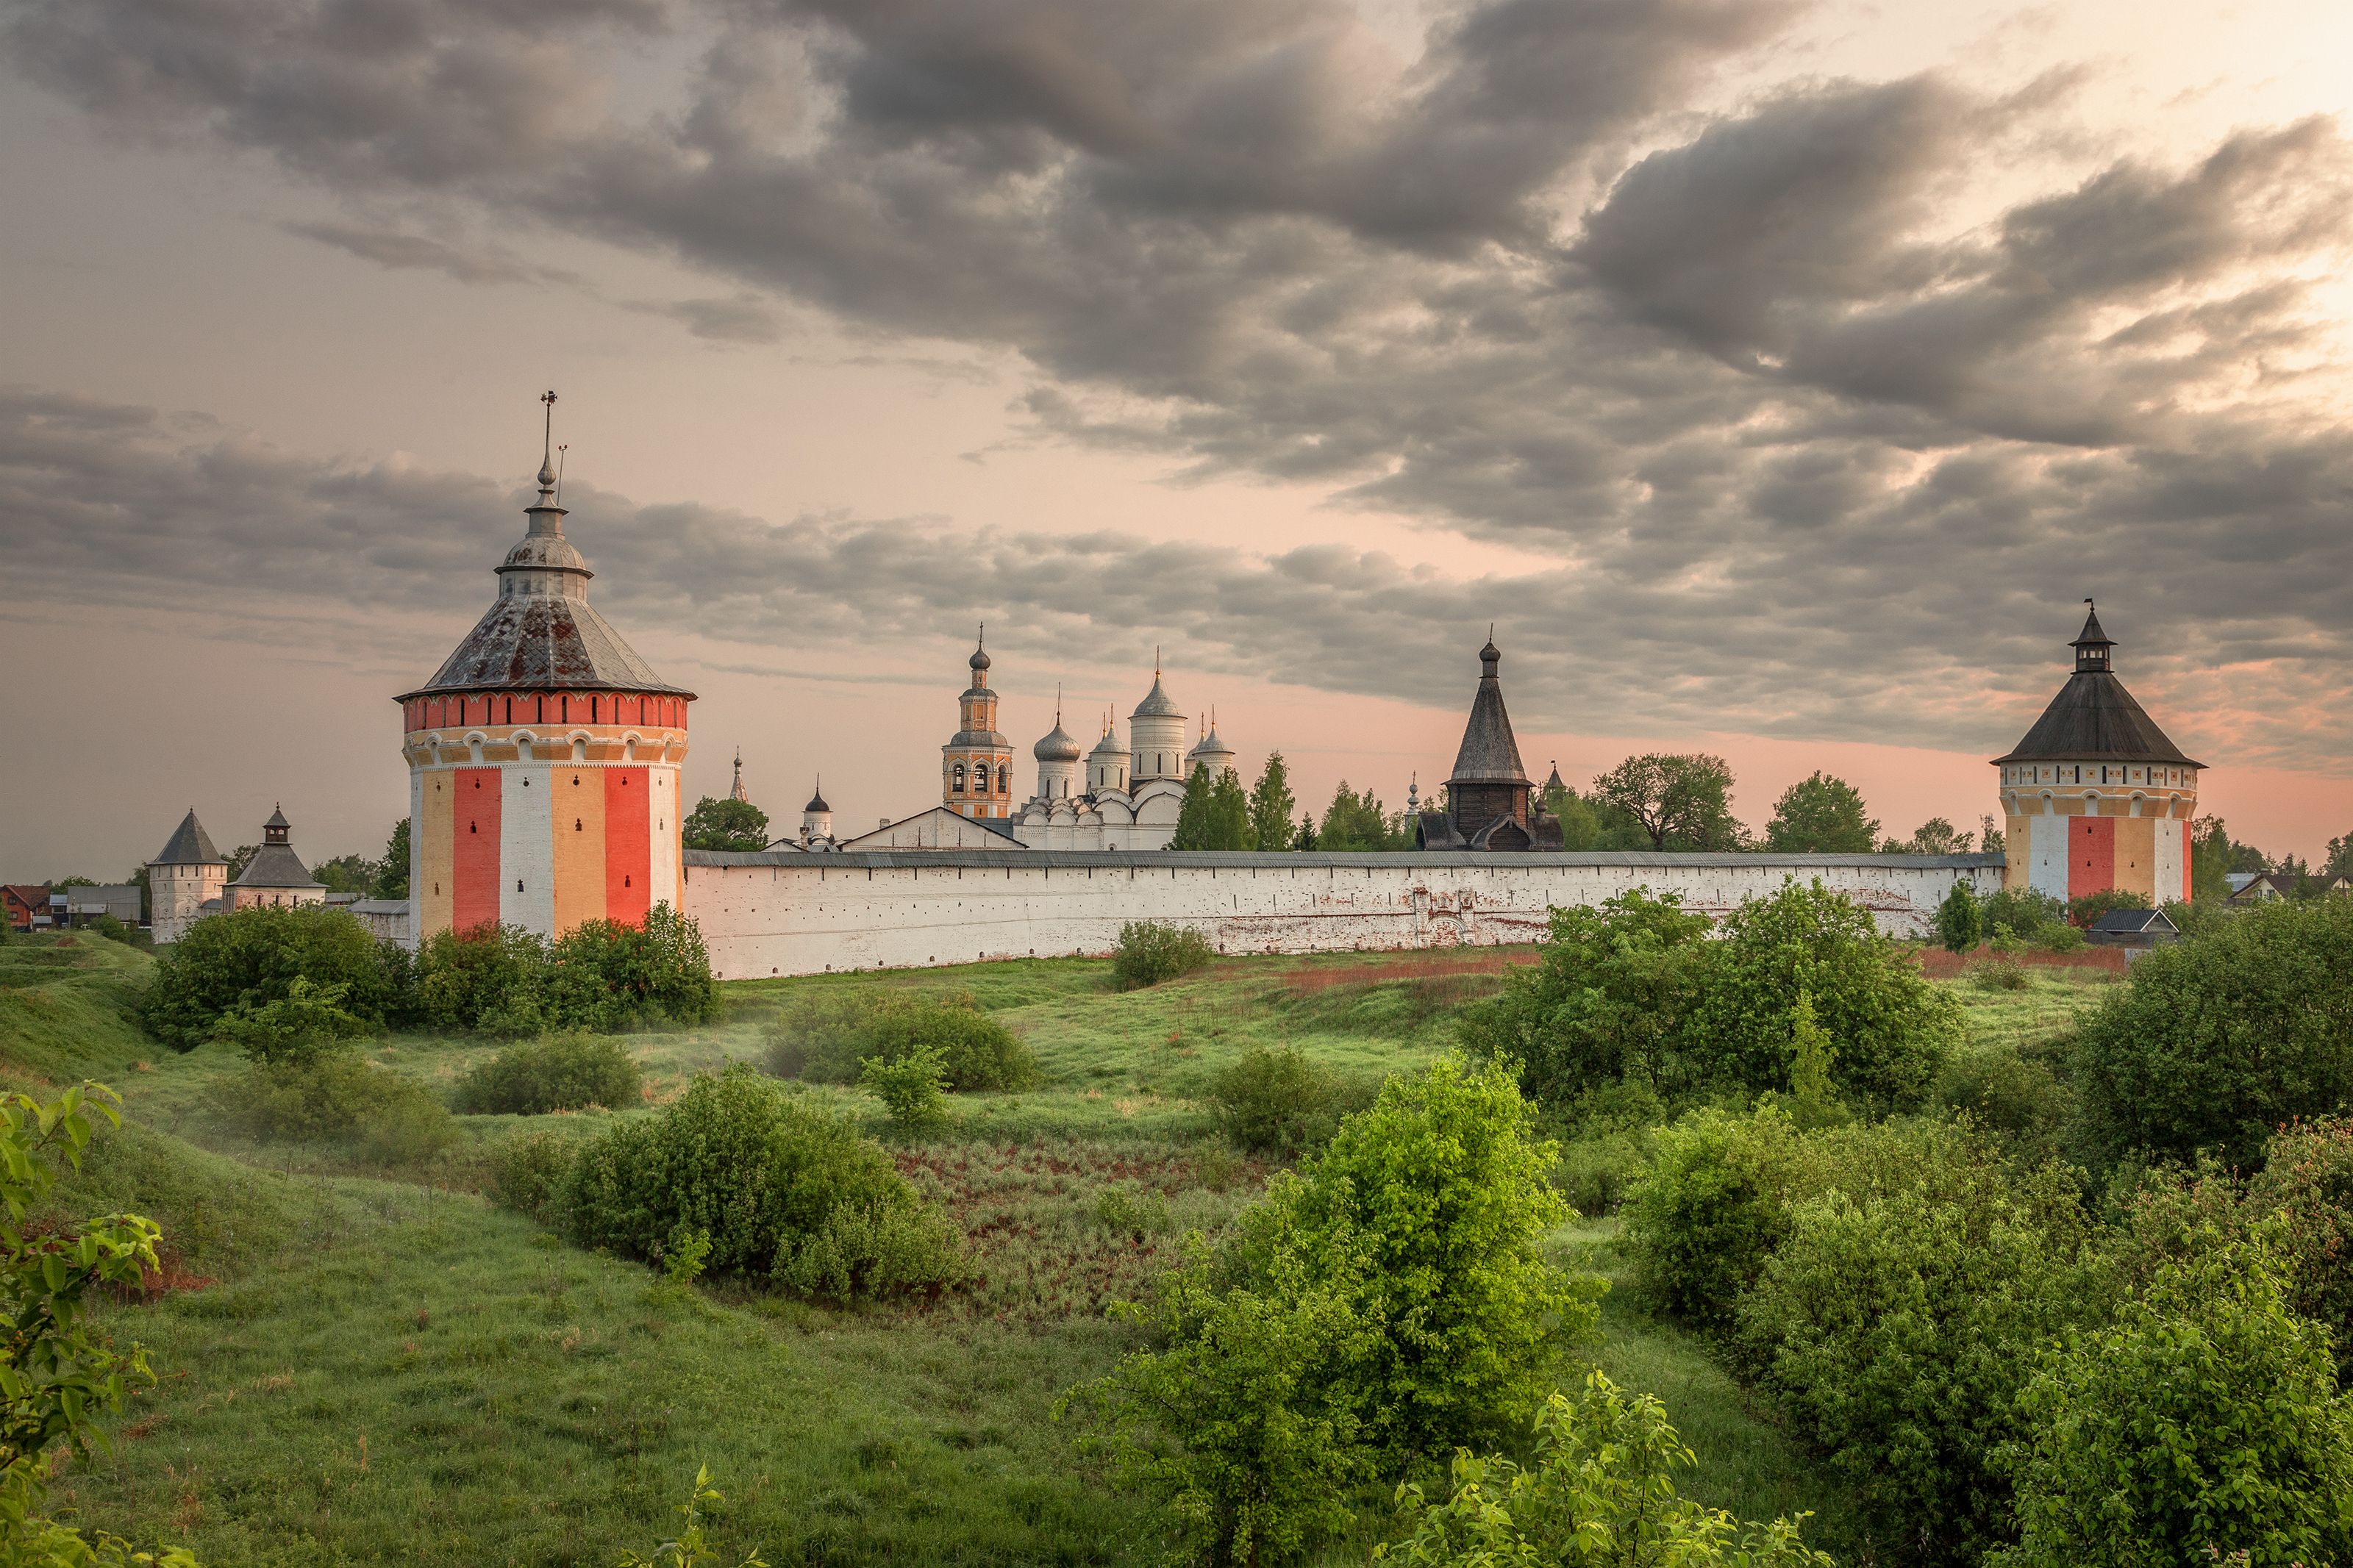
(353, 874)
(392, 871)
(1934, 837)
(2215, 857)
(1821, 814)
(248, 958)
(1306, 838)
(1271, 805)
(58, 1373)
(1216, 813)
(2204, 1423)
(1357, 822)
(2211, 1044)
(241, 857)
(1960, 921)
(1599, 1494)
(726, 824)
(1612, 996)
(298, 1028)
(2340, 861)
(1681, 802)
(1891, 1028)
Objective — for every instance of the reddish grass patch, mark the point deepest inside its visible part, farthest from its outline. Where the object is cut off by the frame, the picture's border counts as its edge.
(1414, 966)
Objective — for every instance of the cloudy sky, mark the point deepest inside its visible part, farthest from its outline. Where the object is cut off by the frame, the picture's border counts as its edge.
(1777, 378)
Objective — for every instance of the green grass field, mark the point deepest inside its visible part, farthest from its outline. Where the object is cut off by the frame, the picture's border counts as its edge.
(379, 1367)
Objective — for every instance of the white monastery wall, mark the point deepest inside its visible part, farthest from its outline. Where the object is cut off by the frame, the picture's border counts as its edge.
(785, 913)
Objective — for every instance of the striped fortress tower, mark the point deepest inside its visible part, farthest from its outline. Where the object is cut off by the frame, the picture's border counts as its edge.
(2096, 797)
(544, 759)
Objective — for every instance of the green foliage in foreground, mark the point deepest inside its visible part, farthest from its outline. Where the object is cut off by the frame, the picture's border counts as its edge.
(911, 1088)
(832, 1035)
(2204, 1423)
(600, 976)
(2211, 1044)
(1600, 1492)
(777, 1189)
(58, 1372)
(1389, 1302)
(1151, 951)
(559, 1072)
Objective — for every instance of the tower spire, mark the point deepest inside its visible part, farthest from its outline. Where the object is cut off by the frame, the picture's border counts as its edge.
(547, 447)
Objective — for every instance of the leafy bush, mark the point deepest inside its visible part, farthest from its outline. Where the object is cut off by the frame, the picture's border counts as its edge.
(2204, 1423)
(1150, 952)
(829, 1036)
(1611, 997)
(1389, 1302)
(1960, 921)
(1275, 1100)
(384, 1117)
(1894, 1332)
(1995, 971)
(527, 1171)
(2084, 912)
(781, 1189)
(1723, 1193)
(250, 958)
(2022, 914)
(300, 1027)
(2211, 1044)
(1602, 1489)
(602, 975)
(2307, 1182)
(1890, 1026)
(908, 1088)
(2006, 1093)
(558, 1072)
(63, 1373)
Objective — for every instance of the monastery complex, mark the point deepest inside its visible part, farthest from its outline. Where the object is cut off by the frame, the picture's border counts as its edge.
(545, 760)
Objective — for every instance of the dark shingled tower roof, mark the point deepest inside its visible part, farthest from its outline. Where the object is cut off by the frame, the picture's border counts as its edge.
(542, 634)
(274, 864)
(2094, 719)
(190, 845)
(1489, 754)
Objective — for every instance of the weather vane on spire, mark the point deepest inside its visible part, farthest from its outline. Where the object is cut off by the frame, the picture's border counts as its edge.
(547, 445)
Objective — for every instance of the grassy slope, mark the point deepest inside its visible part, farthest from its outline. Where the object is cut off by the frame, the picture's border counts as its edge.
(391, 1373)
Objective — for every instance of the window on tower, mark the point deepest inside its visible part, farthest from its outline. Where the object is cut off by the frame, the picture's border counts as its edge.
(956, 786)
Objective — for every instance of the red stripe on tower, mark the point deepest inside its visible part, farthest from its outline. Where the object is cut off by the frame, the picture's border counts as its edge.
(2091, 855)
(629, 846)
(474, 856)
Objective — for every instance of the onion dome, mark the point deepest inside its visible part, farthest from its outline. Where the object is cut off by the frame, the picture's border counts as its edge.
(817, 802)
(1057, 746)
(2094, 719)
(1490, 753)
(190, 845)
(1156, 703)
(542, 634)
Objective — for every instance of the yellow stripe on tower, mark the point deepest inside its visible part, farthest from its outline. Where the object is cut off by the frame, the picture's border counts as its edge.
(579, 828)
(2135, 870)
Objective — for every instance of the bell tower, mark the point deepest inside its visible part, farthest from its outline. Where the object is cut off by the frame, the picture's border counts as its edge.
(976, 764)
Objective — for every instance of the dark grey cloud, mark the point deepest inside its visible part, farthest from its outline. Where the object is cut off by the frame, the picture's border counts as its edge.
(1808, 453)
(125, 506)
(401, 250)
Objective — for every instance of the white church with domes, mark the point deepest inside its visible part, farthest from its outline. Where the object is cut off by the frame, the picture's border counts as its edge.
(1116, 797)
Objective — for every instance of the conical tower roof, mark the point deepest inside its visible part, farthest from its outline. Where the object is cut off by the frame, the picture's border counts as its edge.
(1489, 752)
(190, 845)
(1157, 703)
(2094, 719)
(541, 634)
(1109, 745)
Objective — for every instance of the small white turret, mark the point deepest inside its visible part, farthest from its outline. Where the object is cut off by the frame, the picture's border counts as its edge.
(1210, 752)
(1058, 761)
(816, 818)
(1107, 763)
(1155, 735)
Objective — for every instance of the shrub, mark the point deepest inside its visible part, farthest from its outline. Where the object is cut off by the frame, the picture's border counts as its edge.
(1995, 971)
(2003, 1092)
(251, 957)
(764, 1178)
(1602, 1489)
(2307, 1182)
(1388, 1302)
(527, 1170)
(601, 976)
(1275, 1100)
(1960, 923)
(1890, 1026)
(300, 1027)
(2202, 1424)
(2084, 912)
(558, 1072)
(1150, 952)
(2022, 914)
(908, 1088)
(829, 1036)
(1723, 1192)
(1611, 997)
(2211, 1044)
(384, 1117)
(1894, 1332)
